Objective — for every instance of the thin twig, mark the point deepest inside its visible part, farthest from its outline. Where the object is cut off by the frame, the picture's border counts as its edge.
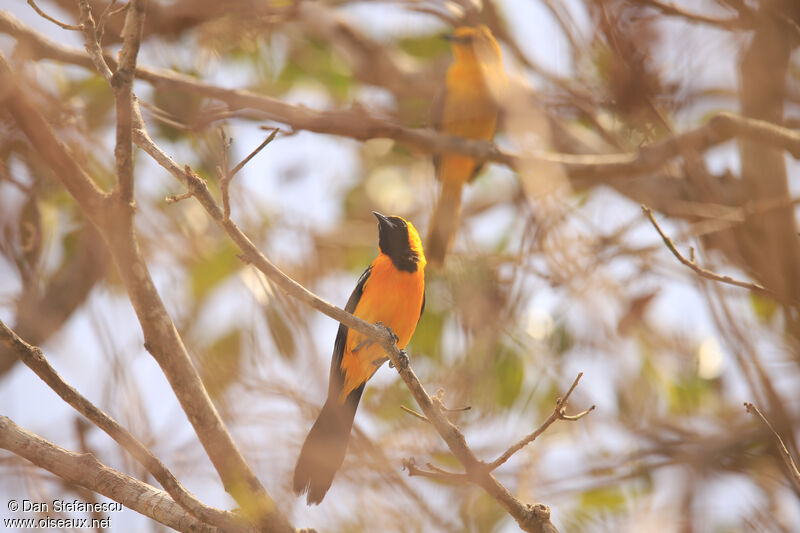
(107, 13)
(434, 472)
(414, 413)
(63, 25)
(559, 413)
(705, 273)
(175, 198)
(791, 465)
(255, 152)
(92, 44)
(226, 176)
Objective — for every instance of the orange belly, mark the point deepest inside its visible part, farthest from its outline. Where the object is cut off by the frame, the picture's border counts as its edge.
(470, 112)
(392, 297)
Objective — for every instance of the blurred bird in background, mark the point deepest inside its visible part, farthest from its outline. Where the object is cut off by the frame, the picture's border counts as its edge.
(467, 108)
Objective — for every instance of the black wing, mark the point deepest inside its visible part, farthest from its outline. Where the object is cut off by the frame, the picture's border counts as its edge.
(423, 308)
(337, 376)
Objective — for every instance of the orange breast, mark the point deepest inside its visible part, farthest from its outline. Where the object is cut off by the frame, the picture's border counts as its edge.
(470, 111)
(392, 297)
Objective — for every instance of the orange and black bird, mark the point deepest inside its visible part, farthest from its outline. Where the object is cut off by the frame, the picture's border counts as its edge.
(466, 108)
(390, 291)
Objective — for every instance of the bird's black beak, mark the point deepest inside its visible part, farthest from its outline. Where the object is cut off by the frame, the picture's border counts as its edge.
(383, 221)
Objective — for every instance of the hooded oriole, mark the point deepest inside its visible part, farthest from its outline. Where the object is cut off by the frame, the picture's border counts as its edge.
(390, 291)
(467, 108)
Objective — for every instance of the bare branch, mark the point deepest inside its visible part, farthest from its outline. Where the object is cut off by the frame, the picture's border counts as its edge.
(92, 44)
(255, 152)
(434, 472)
(35, 360)
(791, 465)
(559, 413)
(731, 24)
(704, 273)
(226, 176)
(85, 470)
(107, 13)
(414, 413)
(122, 86)
(358, 124)
(57, 22)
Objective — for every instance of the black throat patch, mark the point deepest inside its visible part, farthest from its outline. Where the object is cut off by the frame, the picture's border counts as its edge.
(393, 241)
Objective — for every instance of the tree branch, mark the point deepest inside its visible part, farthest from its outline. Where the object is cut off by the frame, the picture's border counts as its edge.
(51, 19)
(161, 337)
(730, 24)
(35, 360)
(791, 465)
(705, 273)
(85, 470)
(122, 86)
(357, 124)
(559, 413)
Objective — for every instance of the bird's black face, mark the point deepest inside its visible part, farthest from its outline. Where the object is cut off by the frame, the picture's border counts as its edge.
(393, 241)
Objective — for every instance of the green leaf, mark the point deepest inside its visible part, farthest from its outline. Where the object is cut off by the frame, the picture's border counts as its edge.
(220, 363)
(425, 47)
(210, 271)
(386, 402)
(97, 99)
(427, 337)
(562, 339)
(481, 513)
(764, 308)
(509, 373)
(687, 395)
(605, 498)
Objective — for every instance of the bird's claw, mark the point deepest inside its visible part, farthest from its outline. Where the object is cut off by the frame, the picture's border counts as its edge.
(387, 328)
(403, 360)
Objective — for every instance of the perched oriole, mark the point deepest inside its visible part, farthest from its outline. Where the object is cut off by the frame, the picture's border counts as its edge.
(467, 108)
(390, 291)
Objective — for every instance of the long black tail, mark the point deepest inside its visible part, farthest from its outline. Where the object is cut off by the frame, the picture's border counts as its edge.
(323, 451)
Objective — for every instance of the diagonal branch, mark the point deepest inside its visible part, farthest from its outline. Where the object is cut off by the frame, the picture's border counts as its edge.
(35, 360)
(705, 273)
(791, 465)
(55, 21)
(559, 413)
(85, 470)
